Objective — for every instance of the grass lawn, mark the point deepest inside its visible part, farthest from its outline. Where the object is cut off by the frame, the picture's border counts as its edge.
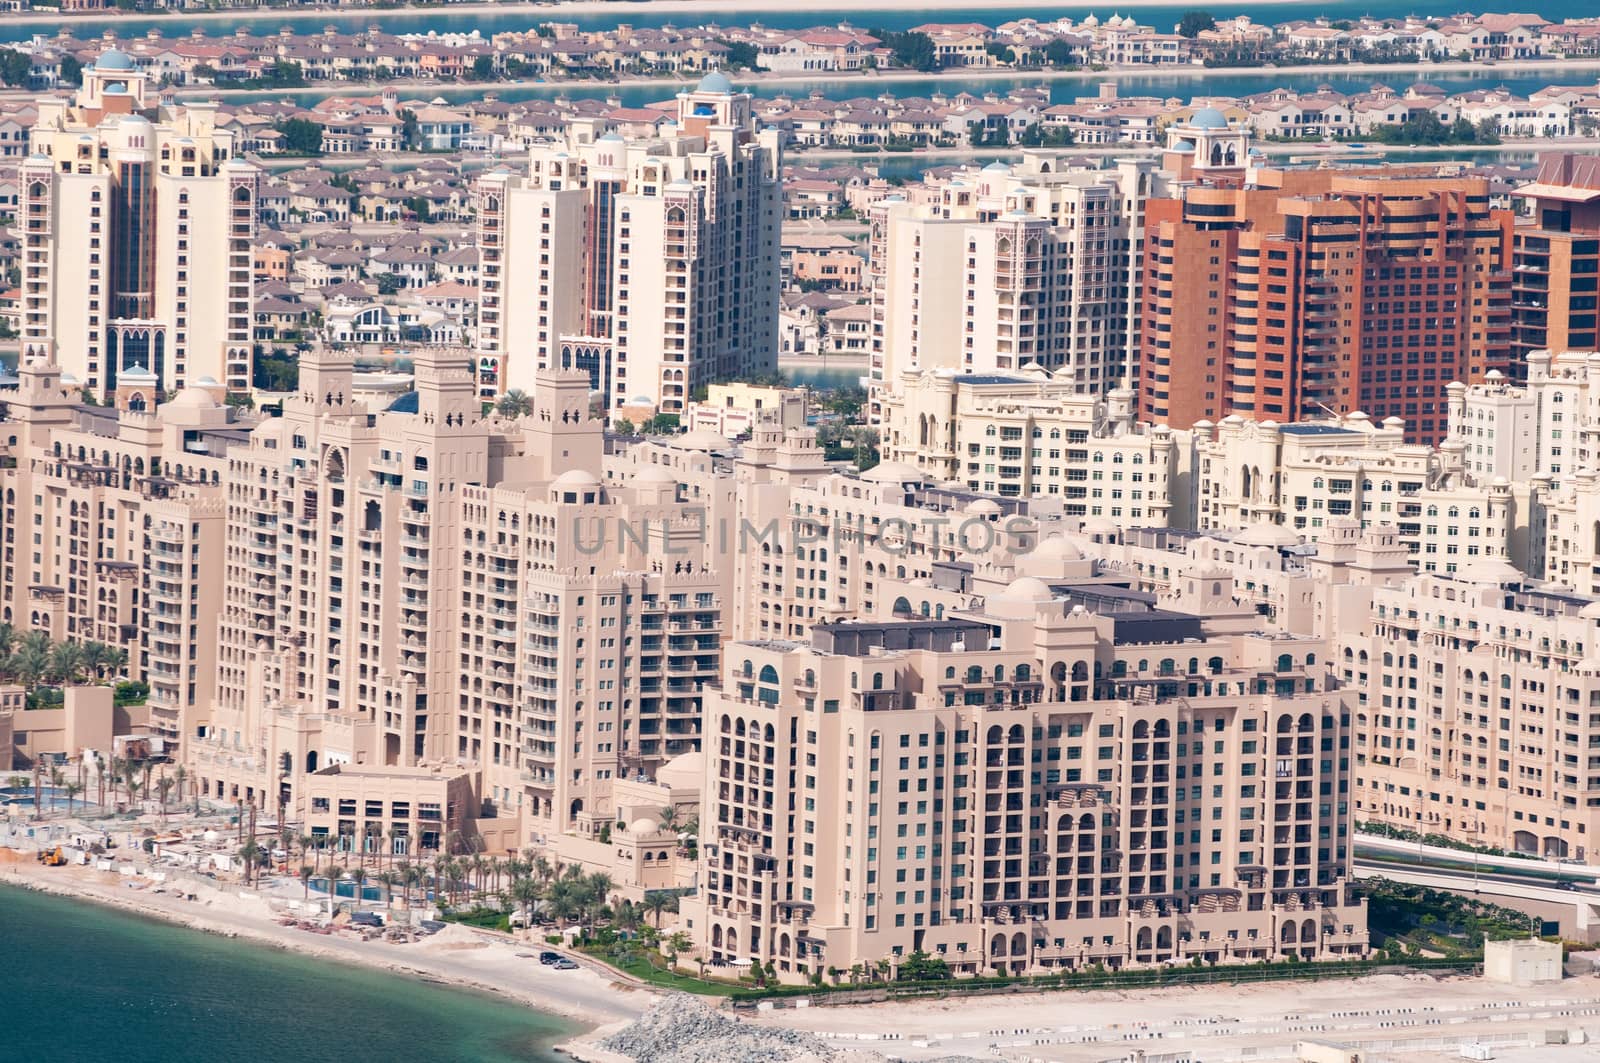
(653, 969)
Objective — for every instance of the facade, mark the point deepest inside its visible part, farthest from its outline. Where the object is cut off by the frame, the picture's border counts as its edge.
(993, 270)
(1289, 482)
(1295, 293)
(138, 226)
(1556, 269)
(1034, 433)
(650, 264)
(1037, 783)
(1476, 698)
(114, 524)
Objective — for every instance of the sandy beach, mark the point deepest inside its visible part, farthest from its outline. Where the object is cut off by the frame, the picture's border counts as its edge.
(1419, 1015)
(456, 955)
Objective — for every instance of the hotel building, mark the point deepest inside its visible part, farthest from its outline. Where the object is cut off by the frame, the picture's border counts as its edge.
(992, 270)
(136, 228)
(114, 532)
(1300, 293)
(1067, 773)
(650, 264)
(1477, 698)
(1033, 434)
(1286, 483)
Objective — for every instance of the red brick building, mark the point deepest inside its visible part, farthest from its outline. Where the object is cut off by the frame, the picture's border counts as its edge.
(1315, 290)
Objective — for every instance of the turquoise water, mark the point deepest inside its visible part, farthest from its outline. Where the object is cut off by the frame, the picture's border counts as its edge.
(86, 984)
(1162, 17)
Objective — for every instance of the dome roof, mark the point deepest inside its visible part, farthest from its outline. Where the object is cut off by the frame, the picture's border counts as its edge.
(1590, 611)
(1100, 526)
(1208, 118)
(1265, 533)
(576, 478)
(192, 399)
(1495, 570)
(113, 59)
(716, 81)
(654, 474)
(684, 770)
(406, 403)
(893, 472)
(1056, 548)
(612, 137)
(1029, 589)
(135, 374)
(701, 439)
(643, 825)
(983, 507)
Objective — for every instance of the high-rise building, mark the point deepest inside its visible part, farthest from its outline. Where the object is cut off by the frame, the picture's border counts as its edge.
(650, 264)
(1290, 294)
(114, 532)
(1034, 262)
(136, 229)
(1477, 697)
(1556, 264)
(1067, 773)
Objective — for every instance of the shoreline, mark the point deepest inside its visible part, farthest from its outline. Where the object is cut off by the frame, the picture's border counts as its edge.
(556, 10)
(755, 82)
(448, 964)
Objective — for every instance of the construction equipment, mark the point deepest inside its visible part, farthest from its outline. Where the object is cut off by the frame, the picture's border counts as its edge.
(52, 857)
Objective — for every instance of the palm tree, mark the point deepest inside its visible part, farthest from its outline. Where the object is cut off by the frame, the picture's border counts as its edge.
(8, 639)
(306, 871)
(133, 785)
(669, 818)
(164, 786)
(657, 903)
(30, 662)
(359, 874)
(513, 404)
(73, 789)
(181, 775)
(388, 879)
(95, 655)
(66, 662)
(117, 660)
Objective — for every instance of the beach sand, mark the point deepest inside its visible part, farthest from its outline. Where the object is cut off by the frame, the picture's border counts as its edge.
(456, 955)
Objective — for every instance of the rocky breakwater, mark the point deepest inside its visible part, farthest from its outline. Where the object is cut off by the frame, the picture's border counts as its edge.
(684, 1029)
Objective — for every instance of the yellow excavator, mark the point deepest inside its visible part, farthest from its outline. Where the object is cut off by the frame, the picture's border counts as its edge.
(52, 857)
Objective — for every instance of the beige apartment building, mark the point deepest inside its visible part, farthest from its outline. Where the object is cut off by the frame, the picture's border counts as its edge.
(1067, 773)
(650, 264)
(993, 270)
(114, 532)
(420, 593)
(1477, 697)
(137, 223)
(1034, 433)
(1297, 478)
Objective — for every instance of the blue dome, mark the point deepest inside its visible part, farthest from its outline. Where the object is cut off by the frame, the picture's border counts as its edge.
(406, 403)
(715, 81)
(112, 59)
(1208, 118)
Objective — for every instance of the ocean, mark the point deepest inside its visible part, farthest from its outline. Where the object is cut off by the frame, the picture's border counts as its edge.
(86, 983)
(443, 20)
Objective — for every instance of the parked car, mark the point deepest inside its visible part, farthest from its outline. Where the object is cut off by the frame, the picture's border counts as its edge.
(564, 964)
(547, 958)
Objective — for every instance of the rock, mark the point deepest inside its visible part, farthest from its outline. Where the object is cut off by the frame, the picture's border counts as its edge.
(685, 1029)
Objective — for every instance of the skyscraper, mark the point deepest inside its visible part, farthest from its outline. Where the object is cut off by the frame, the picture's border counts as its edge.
(996, 269)
(137, 224)
(650, 264)
(1292, 293)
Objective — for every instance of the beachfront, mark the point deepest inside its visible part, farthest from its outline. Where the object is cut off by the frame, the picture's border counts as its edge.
(458, 955)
